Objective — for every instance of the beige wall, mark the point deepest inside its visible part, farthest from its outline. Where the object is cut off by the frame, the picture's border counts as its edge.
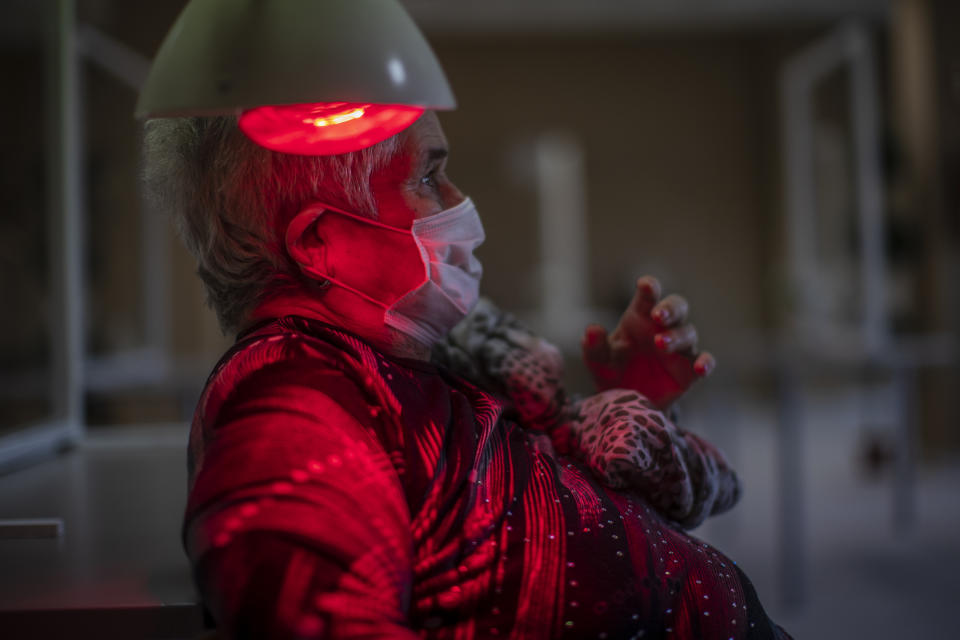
(679, 137)
(680, 131)
(679, 134)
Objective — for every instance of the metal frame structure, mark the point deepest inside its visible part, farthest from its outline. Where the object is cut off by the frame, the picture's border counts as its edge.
(63, 428)
(66, 45)
(871, 344)
(847, 47)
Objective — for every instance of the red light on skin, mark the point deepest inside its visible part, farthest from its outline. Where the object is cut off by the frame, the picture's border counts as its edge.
(325, 128)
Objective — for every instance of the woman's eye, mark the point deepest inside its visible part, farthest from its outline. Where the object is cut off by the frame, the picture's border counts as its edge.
(430, 179)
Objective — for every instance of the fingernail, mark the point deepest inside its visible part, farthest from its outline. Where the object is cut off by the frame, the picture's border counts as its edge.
(662, 315)
(662, 341)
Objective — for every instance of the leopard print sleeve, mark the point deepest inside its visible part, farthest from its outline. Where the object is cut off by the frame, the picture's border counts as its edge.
(629, 444)
(626, 442)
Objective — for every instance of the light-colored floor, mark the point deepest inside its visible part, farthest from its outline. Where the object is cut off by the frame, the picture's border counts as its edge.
(120, 499)
(862, 578)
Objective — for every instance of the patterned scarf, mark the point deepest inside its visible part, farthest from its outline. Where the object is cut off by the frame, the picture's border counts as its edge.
(626, 442)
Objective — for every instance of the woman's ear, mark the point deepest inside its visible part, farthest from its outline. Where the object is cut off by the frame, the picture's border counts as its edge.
(304, 244)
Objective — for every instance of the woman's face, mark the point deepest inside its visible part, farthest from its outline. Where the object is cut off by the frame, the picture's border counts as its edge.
(415, 184)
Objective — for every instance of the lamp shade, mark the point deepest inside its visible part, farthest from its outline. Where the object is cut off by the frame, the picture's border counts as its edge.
(230, 56)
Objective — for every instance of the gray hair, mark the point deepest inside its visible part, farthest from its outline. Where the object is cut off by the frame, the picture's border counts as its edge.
(231, 201)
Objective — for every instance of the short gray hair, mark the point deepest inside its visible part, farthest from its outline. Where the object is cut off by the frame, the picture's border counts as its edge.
(231, 201)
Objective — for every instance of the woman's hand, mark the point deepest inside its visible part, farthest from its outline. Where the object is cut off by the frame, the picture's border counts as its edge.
(653, 350)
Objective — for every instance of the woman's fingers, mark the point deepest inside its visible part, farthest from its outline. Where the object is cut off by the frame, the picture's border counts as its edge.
(646, 295)
(595, 346)
(683, 339)
(671, 311)
(704, 364)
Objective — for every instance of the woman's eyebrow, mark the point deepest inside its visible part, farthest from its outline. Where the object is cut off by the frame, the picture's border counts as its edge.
(434, 155)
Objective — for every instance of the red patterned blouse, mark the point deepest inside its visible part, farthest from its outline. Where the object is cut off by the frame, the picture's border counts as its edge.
(337, 492)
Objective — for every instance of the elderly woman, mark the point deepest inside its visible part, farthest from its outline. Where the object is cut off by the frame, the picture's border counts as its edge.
(369, 460)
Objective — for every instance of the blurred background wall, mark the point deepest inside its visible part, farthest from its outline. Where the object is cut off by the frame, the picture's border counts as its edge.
(674, 117)
(674, 113)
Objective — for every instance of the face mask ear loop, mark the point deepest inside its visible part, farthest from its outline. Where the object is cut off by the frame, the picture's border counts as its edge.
(297, 227)
(360, 219)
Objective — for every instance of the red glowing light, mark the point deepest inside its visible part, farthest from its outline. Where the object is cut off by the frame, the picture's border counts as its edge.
(325, 128)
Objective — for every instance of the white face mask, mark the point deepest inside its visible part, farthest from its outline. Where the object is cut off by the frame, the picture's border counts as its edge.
(376, 261)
